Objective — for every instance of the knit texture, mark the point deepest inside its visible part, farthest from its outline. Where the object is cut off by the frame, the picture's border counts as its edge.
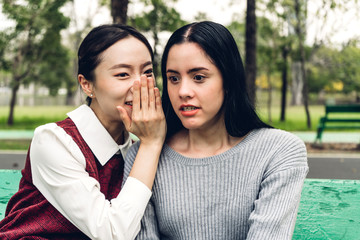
(251, 191)
(30, 216)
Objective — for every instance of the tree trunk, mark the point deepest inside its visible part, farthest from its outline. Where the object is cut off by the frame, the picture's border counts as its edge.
(297, 84)
(285, 52)
(14, 91)
(302, 61)
(269, 96)
(156, 56)
(250, 49)
(119, 11)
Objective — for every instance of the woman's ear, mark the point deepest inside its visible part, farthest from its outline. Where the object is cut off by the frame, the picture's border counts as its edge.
(86, 85)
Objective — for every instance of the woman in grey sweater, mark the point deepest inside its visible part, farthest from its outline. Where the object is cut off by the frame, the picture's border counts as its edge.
(223, 173)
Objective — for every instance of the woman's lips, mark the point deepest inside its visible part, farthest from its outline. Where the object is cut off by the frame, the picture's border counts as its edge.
(188, 110)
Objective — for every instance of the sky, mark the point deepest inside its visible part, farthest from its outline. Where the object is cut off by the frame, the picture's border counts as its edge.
(340, 27)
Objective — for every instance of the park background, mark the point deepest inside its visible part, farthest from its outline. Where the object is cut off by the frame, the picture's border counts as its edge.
(299, 56)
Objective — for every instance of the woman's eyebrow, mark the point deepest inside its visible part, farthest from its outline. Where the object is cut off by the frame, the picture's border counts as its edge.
(120, 65)
(197, 69)
(171, 71)
(146, 64)
(190, 71)
(124, 65)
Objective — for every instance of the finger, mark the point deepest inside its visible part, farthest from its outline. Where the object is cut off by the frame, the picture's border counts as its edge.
(157, 99)
(124, 117)
(144, 93)
(136, 97)
(151, 93)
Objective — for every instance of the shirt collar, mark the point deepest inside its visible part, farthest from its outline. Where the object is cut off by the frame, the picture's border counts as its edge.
(96, 136)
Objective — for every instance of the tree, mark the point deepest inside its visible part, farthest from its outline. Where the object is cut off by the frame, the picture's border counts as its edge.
(285, 49)
(119, 11)
(35, 45)
(159, 18)
(348, 66)
(279, 11)
(79, 26)
(301, 7)
(250, 49)
(268, 54)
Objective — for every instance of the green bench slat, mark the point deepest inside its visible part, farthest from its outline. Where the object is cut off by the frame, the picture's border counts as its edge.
(9, 184)
(329, 209)
(341, 120)
(351, 108)
(341, 127)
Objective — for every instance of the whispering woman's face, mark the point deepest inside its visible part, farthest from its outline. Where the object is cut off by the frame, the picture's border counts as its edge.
(121, 64)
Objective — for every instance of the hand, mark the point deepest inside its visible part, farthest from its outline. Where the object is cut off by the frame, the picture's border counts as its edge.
(147, 120)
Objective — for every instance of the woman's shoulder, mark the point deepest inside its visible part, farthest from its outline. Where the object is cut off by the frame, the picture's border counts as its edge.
(51, 134)
(276, 135)
(48, 128)
(278, 141)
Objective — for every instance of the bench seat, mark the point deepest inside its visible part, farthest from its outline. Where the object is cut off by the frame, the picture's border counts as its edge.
(338, 123)
(329, 209)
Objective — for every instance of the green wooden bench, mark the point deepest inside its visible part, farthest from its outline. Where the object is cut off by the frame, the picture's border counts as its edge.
(329, 209)
(338, 122)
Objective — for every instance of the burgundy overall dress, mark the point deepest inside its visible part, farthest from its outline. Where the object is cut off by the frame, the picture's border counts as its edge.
(30, 216)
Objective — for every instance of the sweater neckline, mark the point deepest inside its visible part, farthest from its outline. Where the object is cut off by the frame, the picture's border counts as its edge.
(173, 155)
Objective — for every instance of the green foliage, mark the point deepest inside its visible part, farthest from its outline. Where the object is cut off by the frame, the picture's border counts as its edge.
(330, 66)
(268, 43)
(34, 48)
(4, 40)
(348, 65)
(158, 16)
(237, 29)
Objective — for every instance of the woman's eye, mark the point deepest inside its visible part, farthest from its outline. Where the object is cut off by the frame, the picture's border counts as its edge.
(121, 75)
(149, 73)
(173, 79)
(199, 78)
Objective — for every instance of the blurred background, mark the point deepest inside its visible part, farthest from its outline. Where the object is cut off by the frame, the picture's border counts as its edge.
(299, 55)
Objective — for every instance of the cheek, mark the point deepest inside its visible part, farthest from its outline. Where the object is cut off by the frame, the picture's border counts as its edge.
(171, 92)
(216, 98)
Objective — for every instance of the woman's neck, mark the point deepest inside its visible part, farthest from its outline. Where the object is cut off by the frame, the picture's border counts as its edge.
(203, 143)
(116, 129)
(117, 132)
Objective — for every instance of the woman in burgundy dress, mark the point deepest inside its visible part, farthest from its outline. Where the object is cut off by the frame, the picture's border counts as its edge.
(72, 182)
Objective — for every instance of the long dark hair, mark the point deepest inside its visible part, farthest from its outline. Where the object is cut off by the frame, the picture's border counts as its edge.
(97, 41)
(220, 46)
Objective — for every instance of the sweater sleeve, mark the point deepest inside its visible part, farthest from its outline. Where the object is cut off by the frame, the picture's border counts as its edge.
(275, 210)
(149, 227)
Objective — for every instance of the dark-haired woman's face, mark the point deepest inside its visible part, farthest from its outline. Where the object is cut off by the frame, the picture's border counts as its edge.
(121, 64)
(195, 87)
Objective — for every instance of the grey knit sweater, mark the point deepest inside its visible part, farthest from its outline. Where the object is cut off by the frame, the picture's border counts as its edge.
(251, 191)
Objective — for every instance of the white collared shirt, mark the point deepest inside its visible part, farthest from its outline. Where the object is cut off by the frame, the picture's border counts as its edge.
(58, 171)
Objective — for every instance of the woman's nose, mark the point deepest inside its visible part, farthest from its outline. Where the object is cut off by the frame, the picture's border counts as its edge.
(186, 90)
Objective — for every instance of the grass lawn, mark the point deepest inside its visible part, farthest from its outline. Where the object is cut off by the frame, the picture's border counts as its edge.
(295, 117)
(29, 118)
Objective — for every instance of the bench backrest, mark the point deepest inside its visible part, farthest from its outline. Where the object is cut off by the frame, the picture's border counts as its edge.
(329, 209)
(342, 108)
